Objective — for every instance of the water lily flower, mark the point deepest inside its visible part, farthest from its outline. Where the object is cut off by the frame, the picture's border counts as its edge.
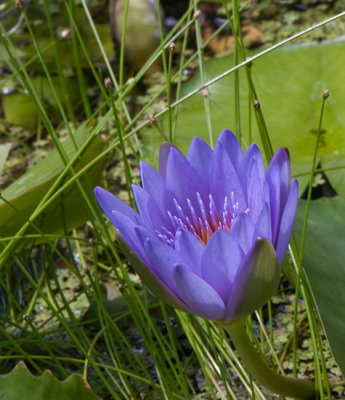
(212, 228)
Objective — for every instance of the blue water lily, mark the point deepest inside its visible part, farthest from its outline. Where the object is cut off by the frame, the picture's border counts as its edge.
(212, 228)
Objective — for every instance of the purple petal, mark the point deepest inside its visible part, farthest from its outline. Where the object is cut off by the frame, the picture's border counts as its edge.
(220, 262)
(150, 213)
(278, 177)
(200, 155)
(263, 224)
(150, 279)
(110, 202)
(256, 281)
(198, 295)
(163, 259)
(190, 249)
(287, 221)
(164, 151)
(224, 181)
(232, 147)
(154, 184)
(251, 153)
(252, 177)
(185, 182)
(243, 230)
(127, 229)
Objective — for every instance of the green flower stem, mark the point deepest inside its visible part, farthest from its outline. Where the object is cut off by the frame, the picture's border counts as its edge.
(283, 385)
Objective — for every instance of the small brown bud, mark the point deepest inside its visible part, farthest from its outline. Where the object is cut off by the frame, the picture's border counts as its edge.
(153, 119)
(91, 241)
(257, 104)
(108, 84)
(26, 318)
(197, 14)
(325, 94)
(206, 93)
(19, 3)
(171, 47)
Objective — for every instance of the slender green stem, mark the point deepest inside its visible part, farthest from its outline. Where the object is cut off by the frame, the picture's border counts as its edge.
(202, 70)
(312, 174)
(310, 188)
(283, 385)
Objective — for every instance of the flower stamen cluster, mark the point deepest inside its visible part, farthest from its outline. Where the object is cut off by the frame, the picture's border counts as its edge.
(201, 224)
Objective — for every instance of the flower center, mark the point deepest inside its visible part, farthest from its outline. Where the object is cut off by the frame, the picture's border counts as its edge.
(201, 222)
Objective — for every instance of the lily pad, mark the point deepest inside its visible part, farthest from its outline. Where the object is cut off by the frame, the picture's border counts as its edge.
(323, 260)
(289, 84)
(21, 384)
(68, 211)
(20, 108)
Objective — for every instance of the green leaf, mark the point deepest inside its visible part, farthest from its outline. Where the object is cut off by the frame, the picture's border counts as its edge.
(323, 260)
(21, 384)
(20, 108)
(289, 84)
(26, 192)
(4, 150)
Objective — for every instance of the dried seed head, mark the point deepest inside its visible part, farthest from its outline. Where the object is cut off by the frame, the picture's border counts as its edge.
(197, 14)
(65, 33)
(153, 119)
(206, 93)
(325, 94)
(108, 83)
(171, 47)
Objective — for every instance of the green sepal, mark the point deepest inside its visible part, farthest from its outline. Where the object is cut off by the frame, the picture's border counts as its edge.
(256, 282)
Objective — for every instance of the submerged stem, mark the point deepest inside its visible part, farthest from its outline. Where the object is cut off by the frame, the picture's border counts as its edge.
(258, 368)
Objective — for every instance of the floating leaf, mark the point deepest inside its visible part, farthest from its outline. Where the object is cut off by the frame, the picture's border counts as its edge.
(20, 108)
(68, 211)
(323, 260)
(289, 84)
(21, 384)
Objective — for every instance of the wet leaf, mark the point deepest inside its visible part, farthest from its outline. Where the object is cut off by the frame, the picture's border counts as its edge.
(323, 260)
(289, 83)
(20, 108)
(68, 211)
(21, 384)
